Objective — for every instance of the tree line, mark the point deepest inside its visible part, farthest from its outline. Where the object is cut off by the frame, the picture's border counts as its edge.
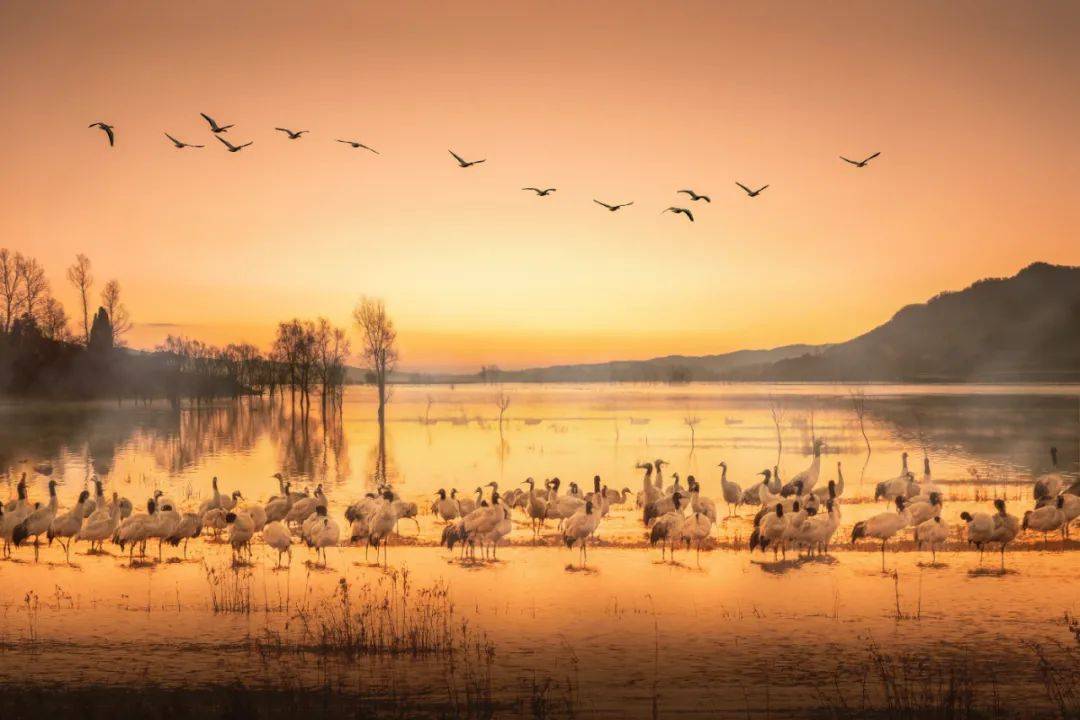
(44, 353)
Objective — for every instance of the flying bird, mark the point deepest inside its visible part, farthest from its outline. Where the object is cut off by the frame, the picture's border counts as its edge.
(292, 135)
(355, 145)
(233, 148)
(613, 208)
(180, 145)
(214, 127)
(466, 163)
(752, 193)
(860, 163)
(541, 192)
(108, 131)
(678, 210)
(695, 197)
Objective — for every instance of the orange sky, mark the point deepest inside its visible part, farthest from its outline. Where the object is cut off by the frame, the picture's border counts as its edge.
(973, 106)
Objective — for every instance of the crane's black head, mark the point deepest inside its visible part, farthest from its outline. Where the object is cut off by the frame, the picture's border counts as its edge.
(453, 492)
(320, 510)
(691, 480)
(556, 482)
(441, 494)
(166, 508)
(495, 498)
(1060, 502)
(935, 499)
(529, 481)
(387, 495)
(900, 502)
(52, 487)
(84, 495)
(795, 506)
(230, 517)
(779, 510)
(213, 482)
(767, 473)
(588, 507)
(151, 506)
(965, 516)
(236, 495)
(97, 485)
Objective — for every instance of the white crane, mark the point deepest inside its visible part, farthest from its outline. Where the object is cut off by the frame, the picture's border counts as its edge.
(101, 525)
(445, 508)
(37, 522)
(809, 476)
(731, 490)
(771, 531)
(325, 534)
(1006, 528)
(277, 536)
(1049, 484)
(931, 533)
(189, 527)
(136, 529)
(66, 526)
(14, 513)
(241, 531)
(700, 504)
(1047, 518)
(883, 526)
(578, 529)
(695, 529)
(666, 528)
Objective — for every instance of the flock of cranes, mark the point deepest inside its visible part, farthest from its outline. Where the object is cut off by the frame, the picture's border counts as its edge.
(219, 130)
(802, 514)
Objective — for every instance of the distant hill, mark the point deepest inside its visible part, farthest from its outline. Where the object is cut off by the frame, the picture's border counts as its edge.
(1022, 328)
(670, 368)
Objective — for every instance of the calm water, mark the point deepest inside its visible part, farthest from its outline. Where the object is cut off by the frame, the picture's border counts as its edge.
(694, 635)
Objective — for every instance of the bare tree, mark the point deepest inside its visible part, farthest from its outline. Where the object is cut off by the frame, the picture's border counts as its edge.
(118, 313)
(9, 288)
(692, 421)
(776, 409)
(380, 356)
(858, 406)
(332, 350)
(502, 401)
(54, 321)
(35, 287)
(80, 277)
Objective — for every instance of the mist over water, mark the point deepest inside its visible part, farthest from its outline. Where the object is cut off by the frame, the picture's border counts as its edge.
(725, 631)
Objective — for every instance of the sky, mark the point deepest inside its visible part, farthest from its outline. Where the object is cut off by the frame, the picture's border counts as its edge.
(972, 105)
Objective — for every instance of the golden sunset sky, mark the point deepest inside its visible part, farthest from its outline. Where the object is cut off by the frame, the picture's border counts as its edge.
(974, 107)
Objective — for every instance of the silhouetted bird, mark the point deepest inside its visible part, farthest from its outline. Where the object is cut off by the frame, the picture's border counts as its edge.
(231, 147)
(752, 193)
(613, 208)
(180, 145)
(860, 163)
(678, 210)
(466, 163)
(542, 193)
(695, 197)
(356, 145)
(108, 131)
(292, 135)
(214, 127)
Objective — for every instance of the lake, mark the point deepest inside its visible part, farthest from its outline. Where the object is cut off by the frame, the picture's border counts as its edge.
(726, 633)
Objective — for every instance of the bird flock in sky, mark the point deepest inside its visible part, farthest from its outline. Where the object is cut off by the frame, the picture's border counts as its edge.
(218, 130)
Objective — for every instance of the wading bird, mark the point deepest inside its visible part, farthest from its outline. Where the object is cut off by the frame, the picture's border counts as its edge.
(752, 193)
(1048, 485)
(931, 533)
(108, 131)
(66, 526)
(1045, 519)
(462, 162)
(277, 536)
(883, 526)
(214, 127)
(37, 522)
(579, 528)
(180, 145)
(731, 490)
(860, 163)
(678, 210)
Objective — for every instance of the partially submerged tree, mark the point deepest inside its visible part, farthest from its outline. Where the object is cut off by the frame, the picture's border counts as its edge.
(380, 356)
(692, 421)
